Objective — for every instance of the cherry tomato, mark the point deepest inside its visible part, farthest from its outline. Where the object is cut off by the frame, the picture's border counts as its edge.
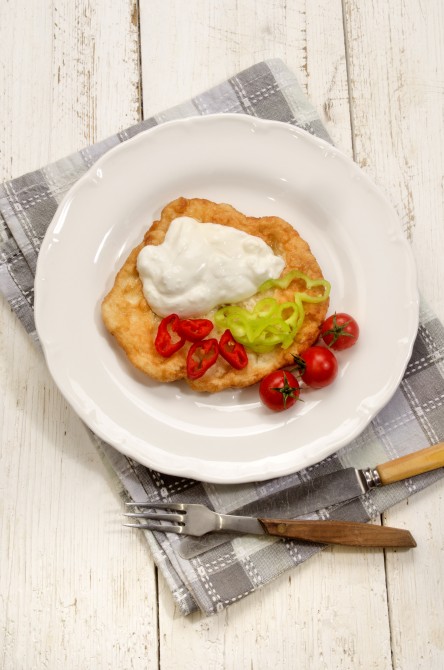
(279, 390)
(340, 331)
(318, 367)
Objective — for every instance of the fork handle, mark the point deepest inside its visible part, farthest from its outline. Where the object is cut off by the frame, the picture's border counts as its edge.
(339, 532)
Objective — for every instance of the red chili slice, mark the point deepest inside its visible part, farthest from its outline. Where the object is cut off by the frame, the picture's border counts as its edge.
(233, 352)
(201, 356)
(195, 330)
(164, 342)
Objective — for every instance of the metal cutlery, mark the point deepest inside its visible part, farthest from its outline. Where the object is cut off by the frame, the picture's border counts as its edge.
(197, 520)
(345, 485)
(326, 490)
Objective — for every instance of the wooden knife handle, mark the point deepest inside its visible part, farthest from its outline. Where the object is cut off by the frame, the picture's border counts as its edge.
(339, 532)
(425, 460)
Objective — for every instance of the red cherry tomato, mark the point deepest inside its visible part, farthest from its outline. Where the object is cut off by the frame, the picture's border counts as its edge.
(318, 367)
(340, 331)
(279, 390)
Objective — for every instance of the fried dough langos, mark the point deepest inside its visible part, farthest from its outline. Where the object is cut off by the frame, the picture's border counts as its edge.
(128, 317)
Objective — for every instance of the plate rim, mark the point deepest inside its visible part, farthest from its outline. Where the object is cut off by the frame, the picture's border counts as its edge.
(217, 471)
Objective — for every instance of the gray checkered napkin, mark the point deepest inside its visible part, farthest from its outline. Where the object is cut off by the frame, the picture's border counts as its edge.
(412, 420)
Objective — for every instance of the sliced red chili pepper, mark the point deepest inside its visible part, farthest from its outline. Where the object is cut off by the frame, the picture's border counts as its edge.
(194, 329)
(164, 342)
(233, 352)
(201, 356)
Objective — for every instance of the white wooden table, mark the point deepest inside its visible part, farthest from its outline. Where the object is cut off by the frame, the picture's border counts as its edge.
(77, 590)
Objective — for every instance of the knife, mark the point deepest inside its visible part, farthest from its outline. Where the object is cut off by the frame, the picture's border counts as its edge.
(330, 489)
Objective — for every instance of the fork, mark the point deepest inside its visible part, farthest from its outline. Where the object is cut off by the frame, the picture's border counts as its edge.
(195, 519)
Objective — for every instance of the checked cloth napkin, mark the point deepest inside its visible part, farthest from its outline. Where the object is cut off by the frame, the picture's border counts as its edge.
(412, 420)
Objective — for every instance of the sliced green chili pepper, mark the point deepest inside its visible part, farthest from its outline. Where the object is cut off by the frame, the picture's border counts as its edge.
(270, 323)
(285, 281)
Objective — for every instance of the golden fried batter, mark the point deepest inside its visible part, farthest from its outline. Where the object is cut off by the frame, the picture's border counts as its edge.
(128, 317)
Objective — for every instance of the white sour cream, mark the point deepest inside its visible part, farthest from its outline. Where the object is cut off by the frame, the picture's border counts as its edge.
(200, 266)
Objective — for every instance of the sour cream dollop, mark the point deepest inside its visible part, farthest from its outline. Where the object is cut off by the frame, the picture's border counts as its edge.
(200, 266)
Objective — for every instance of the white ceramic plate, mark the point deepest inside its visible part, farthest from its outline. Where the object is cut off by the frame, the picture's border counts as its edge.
(261, 168)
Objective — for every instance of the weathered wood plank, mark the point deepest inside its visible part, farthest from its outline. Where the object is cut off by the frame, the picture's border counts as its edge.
(395, 56)
(185, 49)
(75, 79)
(76, 590)
(396, 86)
(331, 612)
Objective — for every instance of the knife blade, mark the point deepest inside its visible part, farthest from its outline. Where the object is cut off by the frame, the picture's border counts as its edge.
(327, 490)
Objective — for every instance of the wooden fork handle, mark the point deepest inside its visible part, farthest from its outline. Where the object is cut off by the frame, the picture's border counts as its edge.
(339, 532)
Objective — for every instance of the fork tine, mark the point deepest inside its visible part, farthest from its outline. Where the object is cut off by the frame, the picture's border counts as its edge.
(179, 507)
(155, 526)
(155, 517)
